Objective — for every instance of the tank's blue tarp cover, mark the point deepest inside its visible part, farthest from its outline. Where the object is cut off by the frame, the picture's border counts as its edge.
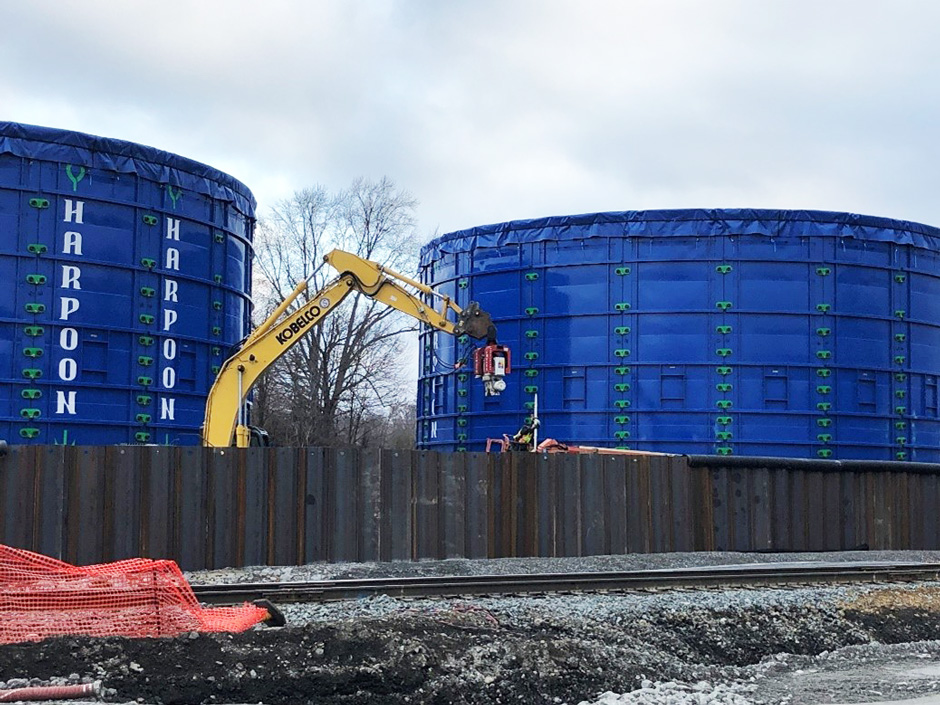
(51, 144)
(692, 222)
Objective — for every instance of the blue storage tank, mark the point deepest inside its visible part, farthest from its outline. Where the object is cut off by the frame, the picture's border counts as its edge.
(750, 332)
(126, 274)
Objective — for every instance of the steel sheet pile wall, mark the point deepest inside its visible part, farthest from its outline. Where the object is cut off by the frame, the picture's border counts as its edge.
(745, 332)
(127, 280)
(210, 508)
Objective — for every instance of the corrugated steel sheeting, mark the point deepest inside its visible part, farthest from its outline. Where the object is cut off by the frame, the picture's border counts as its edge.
(211, 508)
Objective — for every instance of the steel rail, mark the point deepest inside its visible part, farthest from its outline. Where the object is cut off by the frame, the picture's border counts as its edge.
(734, 576)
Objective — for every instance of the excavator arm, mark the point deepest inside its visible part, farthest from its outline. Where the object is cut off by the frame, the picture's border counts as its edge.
(226, 403)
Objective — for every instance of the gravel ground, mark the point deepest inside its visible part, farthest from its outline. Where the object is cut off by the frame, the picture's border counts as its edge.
(799, 646)
(505, 566)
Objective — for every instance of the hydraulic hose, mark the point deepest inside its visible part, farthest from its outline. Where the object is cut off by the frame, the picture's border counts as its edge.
(50, 692)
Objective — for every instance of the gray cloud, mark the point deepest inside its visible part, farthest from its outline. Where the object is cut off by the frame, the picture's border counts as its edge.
(491, 110)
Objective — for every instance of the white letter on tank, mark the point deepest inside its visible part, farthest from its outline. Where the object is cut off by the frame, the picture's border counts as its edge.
(68, 369)
(172, 259)
(73, 209)
(67, 307)
(169, 378)
(172, 229)
(167, 409)
(169, 318)
(68, 339)
(70, 276)
(65, 405)
(170, 287)
(72, 244)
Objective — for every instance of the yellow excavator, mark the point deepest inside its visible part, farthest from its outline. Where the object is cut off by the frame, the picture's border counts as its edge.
(225, 424)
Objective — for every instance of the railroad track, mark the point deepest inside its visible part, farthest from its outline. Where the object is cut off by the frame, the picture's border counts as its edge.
(736, 576)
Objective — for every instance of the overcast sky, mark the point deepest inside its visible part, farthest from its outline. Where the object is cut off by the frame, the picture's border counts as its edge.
(493, 110)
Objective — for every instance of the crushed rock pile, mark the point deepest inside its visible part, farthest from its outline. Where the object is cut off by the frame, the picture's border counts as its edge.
(702, 693)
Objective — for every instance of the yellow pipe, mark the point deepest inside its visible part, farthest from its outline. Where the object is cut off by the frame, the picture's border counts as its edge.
(276, 314)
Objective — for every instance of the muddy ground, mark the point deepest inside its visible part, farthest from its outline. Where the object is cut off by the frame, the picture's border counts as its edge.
(464, 654)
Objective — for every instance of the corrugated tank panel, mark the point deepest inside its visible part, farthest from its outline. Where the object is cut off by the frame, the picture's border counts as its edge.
(756, 332)
(128, 279)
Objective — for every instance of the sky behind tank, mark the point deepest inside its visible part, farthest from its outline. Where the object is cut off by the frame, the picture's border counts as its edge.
(492, 110)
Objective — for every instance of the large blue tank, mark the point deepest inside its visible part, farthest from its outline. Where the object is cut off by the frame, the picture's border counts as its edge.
(126, 280)
(757, 332)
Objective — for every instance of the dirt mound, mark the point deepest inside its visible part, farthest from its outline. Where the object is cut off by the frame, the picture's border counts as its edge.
(465, 656)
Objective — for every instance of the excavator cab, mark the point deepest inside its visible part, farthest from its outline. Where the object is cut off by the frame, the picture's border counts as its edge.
(258, 437)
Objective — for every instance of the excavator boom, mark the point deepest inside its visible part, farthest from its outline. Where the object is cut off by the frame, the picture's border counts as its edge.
(225, 419)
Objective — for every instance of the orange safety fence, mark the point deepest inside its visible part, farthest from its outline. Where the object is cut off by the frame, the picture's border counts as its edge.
(42, 597)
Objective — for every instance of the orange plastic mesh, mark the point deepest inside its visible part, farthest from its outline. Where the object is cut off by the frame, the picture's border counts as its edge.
(139, 597)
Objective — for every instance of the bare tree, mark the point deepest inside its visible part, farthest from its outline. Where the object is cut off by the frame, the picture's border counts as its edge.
(333, 384)
(392, 427)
